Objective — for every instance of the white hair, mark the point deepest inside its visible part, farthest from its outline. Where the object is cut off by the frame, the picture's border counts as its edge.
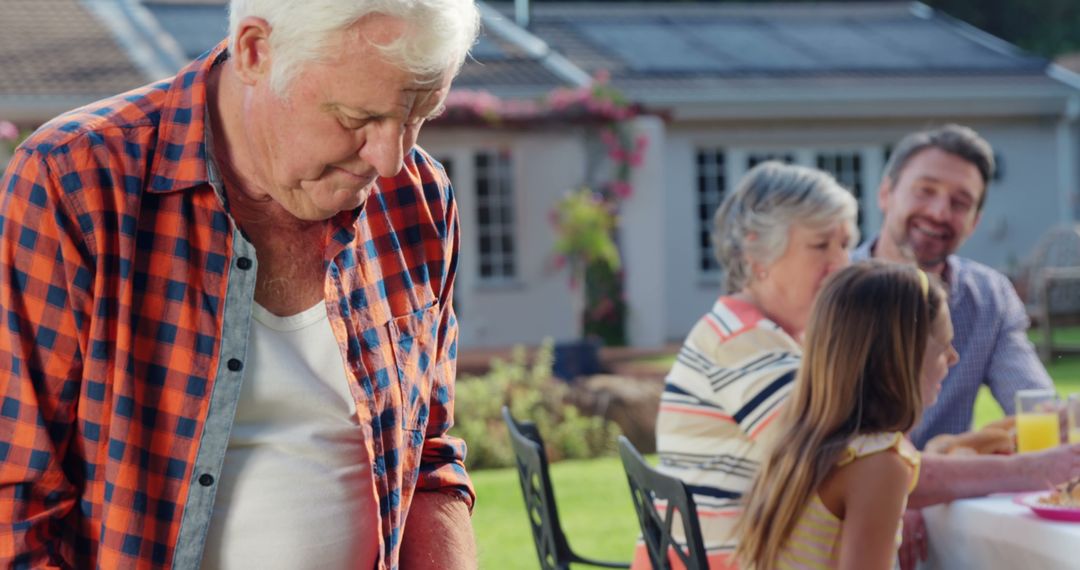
(752, 223)
(437, 37)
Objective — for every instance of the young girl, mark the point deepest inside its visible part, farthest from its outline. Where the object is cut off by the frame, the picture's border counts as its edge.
(832, 492)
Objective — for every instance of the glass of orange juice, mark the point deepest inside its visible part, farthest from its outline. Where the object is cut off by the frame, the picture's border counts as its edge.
(1073, 409)
(1037, 422)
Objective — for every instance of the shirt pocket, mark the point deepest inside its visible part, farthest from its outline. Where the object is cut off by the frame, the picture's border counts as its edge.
(414, 339)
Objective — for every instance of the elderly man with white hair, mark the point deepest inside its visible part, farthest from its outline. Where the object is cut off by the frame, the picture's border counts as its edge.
(227, 337)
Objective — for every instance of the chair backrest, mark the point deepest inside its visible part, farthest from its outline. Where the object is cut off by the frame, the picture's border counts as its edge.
(648, 487)
(532, 464)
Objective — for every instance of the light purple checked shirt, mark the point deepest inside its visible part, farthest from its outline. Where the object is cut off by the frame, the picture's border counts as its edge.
(990, 327)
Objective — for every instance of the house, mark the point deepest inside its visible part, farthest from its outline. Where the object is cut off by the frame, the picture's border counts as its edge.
(729, 85)
(832, 86)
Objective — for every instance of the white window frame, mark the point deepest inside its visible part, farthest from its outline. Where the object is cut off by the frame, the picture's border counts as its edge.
(499, 199)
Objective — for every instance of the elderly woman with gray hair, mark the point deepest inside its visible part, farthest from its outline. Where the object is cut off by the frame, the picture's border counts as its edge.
(778, 236)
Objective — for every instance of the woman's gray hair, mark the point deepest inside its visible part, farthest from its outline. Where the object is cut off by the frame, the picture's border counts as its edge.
(437, 37)
(752, 223)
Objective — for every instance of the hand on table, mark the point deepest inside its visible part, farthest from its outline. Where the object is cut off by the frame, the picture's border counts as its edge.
(997, 437)
(915, 545)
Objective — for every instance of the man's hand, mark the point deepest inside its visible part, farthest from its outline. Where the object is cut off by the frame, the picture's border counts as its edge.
(438, 534)
(914, 549)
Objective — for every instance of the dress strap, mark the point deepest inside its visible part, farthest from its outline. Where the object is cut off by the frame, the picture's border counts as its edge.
(870, 443)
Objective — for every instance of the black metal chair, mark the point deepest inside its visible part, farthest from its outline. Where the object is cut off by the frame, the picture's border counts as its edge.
(647, 485)
(551, 544)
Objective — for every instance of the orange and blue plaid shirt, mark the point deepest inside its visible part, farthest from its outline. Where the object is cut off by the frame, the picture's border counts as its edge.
(125, 302)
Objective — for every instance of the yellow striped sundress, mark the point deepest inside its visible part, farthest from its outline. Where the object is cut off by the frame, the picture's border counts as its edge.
(815, 540)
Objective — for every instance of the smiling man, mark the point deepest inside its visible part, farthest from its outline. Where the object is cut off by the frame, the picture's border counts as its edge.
(932, 196)
(227, 337)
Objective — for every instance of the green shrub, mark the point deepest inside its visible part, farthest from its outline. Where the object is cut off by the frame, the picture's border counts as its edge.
(533, 395)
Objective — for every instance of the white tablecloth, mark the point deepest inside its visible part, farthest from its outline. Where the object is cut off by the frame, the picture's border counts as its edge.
(995, 533)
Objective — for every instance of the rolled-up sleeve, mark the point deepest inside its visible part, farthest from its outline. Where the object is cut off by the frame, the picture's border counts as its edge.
(442, 463)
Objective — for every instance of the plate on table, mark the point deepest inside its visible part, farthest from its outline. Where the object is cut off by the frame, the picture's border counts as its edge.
(1051, 512)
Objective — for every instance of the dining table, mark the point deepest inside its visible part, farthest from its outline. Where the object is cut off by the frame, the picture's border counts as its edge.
(998, 533)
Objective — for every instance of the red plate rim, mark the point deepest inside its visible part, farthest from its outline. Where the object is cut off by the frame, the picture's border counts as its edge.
(1052, 512)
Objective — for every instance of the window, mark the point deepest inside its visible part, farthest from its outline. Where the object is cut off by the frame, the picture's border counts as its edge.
(495, 216)
(755, 158)
(711, 185)
(847, 168)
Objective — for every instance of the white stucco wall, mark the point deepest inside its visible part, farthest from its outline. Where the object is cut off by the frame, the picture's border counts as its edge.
(537, 303)
(1024, 202)
(644, 246)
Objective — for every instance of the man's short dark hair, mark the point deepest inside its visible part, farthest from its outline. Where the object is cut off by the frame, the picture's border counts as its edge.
(954, 139)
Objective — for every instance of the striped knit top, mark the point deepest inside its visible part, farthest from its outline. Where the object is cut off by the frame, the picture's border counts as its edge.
(718, 409)
(814, 543)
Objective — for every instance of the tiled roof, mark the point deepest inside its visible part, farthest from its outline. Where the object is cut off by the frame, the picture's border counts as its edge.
(56, 48)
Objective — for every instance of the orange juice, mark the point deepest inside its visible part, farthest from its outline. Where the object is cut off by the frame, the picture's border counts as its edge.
(1035, 432)
(1074, 435)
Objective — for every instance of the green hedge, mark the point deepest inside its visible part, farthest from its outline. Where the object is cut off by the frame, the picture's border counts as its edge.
(533, 395)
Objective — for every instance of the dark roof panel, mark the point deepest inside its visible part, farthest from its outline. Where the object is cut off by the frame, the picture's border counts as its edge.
(196, 26)
(647, 47)
(731, 40)
(487, 49)
(746, 48)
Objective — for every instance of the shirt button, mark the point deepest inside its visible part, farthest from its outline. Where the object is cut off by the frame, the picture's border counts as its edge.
(234, 365)
(206, 479)
(244, 263)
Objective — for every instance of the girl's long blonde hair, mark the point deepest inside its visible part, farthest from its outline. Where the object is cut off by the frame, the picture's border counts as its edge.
(860, 373)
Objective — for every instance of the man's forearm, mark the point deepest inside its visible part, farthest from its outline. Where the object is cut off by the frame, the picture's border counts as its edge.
(438, 533)
(945, 478)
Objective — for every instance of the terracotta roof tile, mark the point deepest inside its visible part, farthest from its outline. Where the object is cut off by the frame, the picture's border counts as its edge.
(57, 48)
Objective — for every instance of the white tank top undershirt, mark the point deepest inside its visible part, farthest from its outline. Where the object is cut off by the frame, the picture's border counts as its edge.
(296, 490)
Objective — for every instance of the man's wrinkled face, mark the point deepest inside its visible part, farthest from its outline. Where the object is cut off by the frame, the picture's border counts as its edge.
(932, 206)
(347, 120)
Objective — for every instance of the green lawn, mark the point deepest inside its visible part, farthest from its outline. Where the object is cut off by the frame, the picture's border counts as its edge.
(594, 500)
(594, 504)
